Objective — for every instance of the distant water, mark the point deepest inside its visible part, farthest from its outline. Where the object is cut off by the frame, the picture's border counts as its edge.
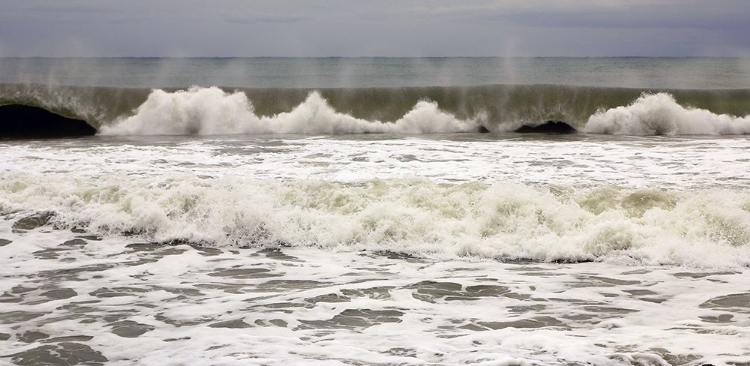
(671, 73)
(348, 211)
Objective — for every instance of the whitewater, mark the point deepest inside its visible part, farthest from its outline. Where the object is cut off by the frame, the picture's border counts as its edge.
(254, 217)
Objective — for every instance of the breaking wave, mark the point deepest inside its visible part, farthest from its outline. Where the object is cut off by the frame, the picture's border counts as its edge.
(660, 114)
(212, 111)
(707, 228)
(497, 108)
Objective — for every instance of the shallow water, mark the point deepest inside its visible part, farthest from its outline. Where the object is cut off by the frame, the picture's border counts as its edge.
(375, 249)
(70, 297)
(577, 160)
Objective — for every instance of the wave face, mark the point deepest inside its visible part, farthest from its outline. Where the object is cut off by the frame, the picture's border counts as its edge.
(707, 228)
(212, 111)
(498, 108)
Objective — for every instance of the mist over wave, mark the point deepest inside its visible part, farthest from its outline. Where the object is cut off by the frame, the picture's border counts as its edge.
(660, 114)
(707, 228)
(212, 111)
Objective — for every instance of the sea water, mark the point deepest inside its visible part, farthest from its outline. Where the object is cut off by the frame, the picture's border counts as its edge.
(347, 211)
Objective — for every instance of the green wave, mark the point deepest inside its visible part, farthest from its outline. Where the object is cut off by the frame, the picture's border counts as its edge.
(511, 105)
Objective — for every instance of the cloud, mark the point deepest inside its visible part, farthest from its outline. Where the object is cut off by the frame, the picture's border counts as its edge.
(632, 18)
(264, 18)
(630, 14)
(378, 28)
(72, 8)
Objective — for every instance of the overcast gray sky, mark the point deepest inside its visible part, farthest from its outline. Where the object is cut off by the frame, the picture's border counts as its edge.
(375, 28)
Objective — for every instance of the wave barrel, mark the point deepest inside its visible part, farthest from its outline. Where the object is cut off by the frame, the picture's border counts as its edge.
(28, 122)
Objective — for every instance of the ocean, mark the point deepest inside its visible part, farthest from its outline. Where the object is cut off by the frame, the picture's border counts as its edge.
(375, 211)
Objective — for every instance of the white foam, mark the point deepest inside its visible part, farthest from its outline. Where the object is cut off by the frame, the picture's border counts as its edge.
(702, 228)
(212, 111)
(660, 114)
(609, 314)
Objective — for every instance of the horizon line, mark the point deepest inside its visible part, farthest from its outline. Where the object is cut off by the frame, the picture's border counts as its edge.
(370, 57)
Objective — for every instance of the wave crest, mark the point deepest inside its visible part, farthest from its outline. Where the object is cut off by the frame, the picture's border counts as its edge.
(212, 111)
(660, 114)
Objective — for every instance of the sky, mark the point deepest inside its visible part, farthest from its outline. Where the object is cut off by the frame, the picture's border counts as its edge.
(393, 28)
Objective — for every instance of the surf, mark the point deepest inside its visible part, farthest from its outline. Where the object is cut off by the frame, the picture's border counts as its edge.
(702, 228)
(407, 110)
